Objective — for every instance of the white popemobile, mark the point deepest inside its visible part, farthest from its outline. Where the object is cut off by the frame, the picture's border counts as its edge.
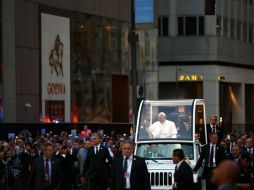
(163, 126)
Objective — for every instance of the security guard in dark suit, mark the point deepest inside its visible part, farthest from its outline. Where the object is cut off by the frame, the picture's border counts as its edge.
(129, 172)
(213, 154)
(46, 172)
(183, 176)
(95, 168)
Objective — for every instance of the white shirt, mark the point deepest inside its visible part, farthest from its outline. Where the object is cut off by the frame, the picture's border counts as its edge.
(213, 127)
(167, 129)
(250, 149)
(237, 159)
(50, 166)
(71, 150)
(98, 147)
(231, 145)
(128, 175)
(251, 153)
(110, 153)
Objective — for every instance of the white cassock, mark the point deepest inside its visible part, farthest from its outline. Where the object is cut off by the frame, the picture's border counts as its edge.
(162, 130)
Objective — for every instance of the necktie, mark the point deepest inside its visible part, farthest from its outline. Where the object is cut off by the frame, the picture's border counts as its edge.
(85, 154)
(125, 167)
(46, 169)
(231, 146)
(96, 150)
(251, 156)
(211, 157)
(175, 169)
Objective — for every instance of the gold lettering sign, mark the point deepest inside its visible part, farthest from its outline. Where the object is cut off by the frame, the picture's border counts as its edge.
(190, 78)
(181, 77)
(221, 78)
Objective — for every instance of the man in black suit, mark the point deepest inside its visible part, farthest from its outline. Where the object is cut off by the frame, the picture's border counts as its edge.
(95, 166)
(46, 171)
(66, 161)
(213, 154)
(234, 155)
(27, 158)
(73, 152)
(242, 147)
(212, 127)
(183, 176)
(128, 171)
(250, 150)
(231, 142)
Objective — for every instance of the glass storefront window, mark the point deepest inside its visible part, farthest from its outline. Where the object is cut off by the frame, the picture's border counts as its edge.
(100, 49)
(165, 122)
(151, 151)
(1, 67)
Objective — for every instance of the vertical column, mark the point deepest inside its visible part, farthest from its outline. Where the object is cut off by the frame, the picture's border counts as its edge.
(9, 71)
(210, 25)
(248, 21)
(211, 93)
(242, 103)
(241, 20)
(222, 18)
(172, 18)
(235, 19)
(229, 17)
(252, 21)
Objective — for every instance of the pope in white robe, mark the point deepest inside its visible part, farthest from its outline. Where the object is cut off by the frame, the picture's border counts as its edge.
(162, 128)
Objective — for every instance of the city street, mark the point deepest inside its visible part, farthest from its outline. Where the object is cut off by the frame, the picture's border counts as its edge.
(126, 94)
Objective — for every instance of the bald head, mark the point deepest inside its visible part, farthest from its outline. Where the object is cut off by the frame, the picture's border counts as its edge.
(226, 172)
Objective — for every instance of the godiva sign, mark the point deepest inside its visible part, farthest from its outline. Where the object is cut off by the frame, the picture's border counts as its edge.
(55, 66)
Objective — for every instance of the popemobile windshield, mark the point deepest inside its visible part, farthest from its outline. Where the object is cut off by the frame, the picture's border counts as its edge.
(163, 126)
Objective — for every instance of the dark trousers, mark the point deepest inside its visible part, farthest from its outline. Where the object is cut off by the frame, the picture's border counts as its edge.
(66, 184)
(96, 184)
(208, 176)
(48, 188)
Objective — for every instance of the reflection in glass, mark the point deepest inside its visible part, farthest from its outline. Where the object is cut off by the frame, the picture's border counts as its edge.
(100, 48)
(1, 70)
(165, 122)
(163, 150)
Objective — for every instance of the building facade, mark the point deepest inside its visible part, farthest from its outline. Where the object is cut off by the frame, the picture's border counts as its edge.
(64, 61)
(206, 51)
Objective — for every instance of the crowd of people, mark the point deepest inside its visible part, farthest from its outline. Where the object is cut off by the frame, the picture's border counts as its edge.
(227, 148)
(101, 160)
(17, 157)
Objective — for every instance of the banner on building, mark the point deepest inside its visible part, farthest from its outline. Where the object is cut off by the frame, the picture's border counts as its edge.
(55, 68)
(144, 11)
